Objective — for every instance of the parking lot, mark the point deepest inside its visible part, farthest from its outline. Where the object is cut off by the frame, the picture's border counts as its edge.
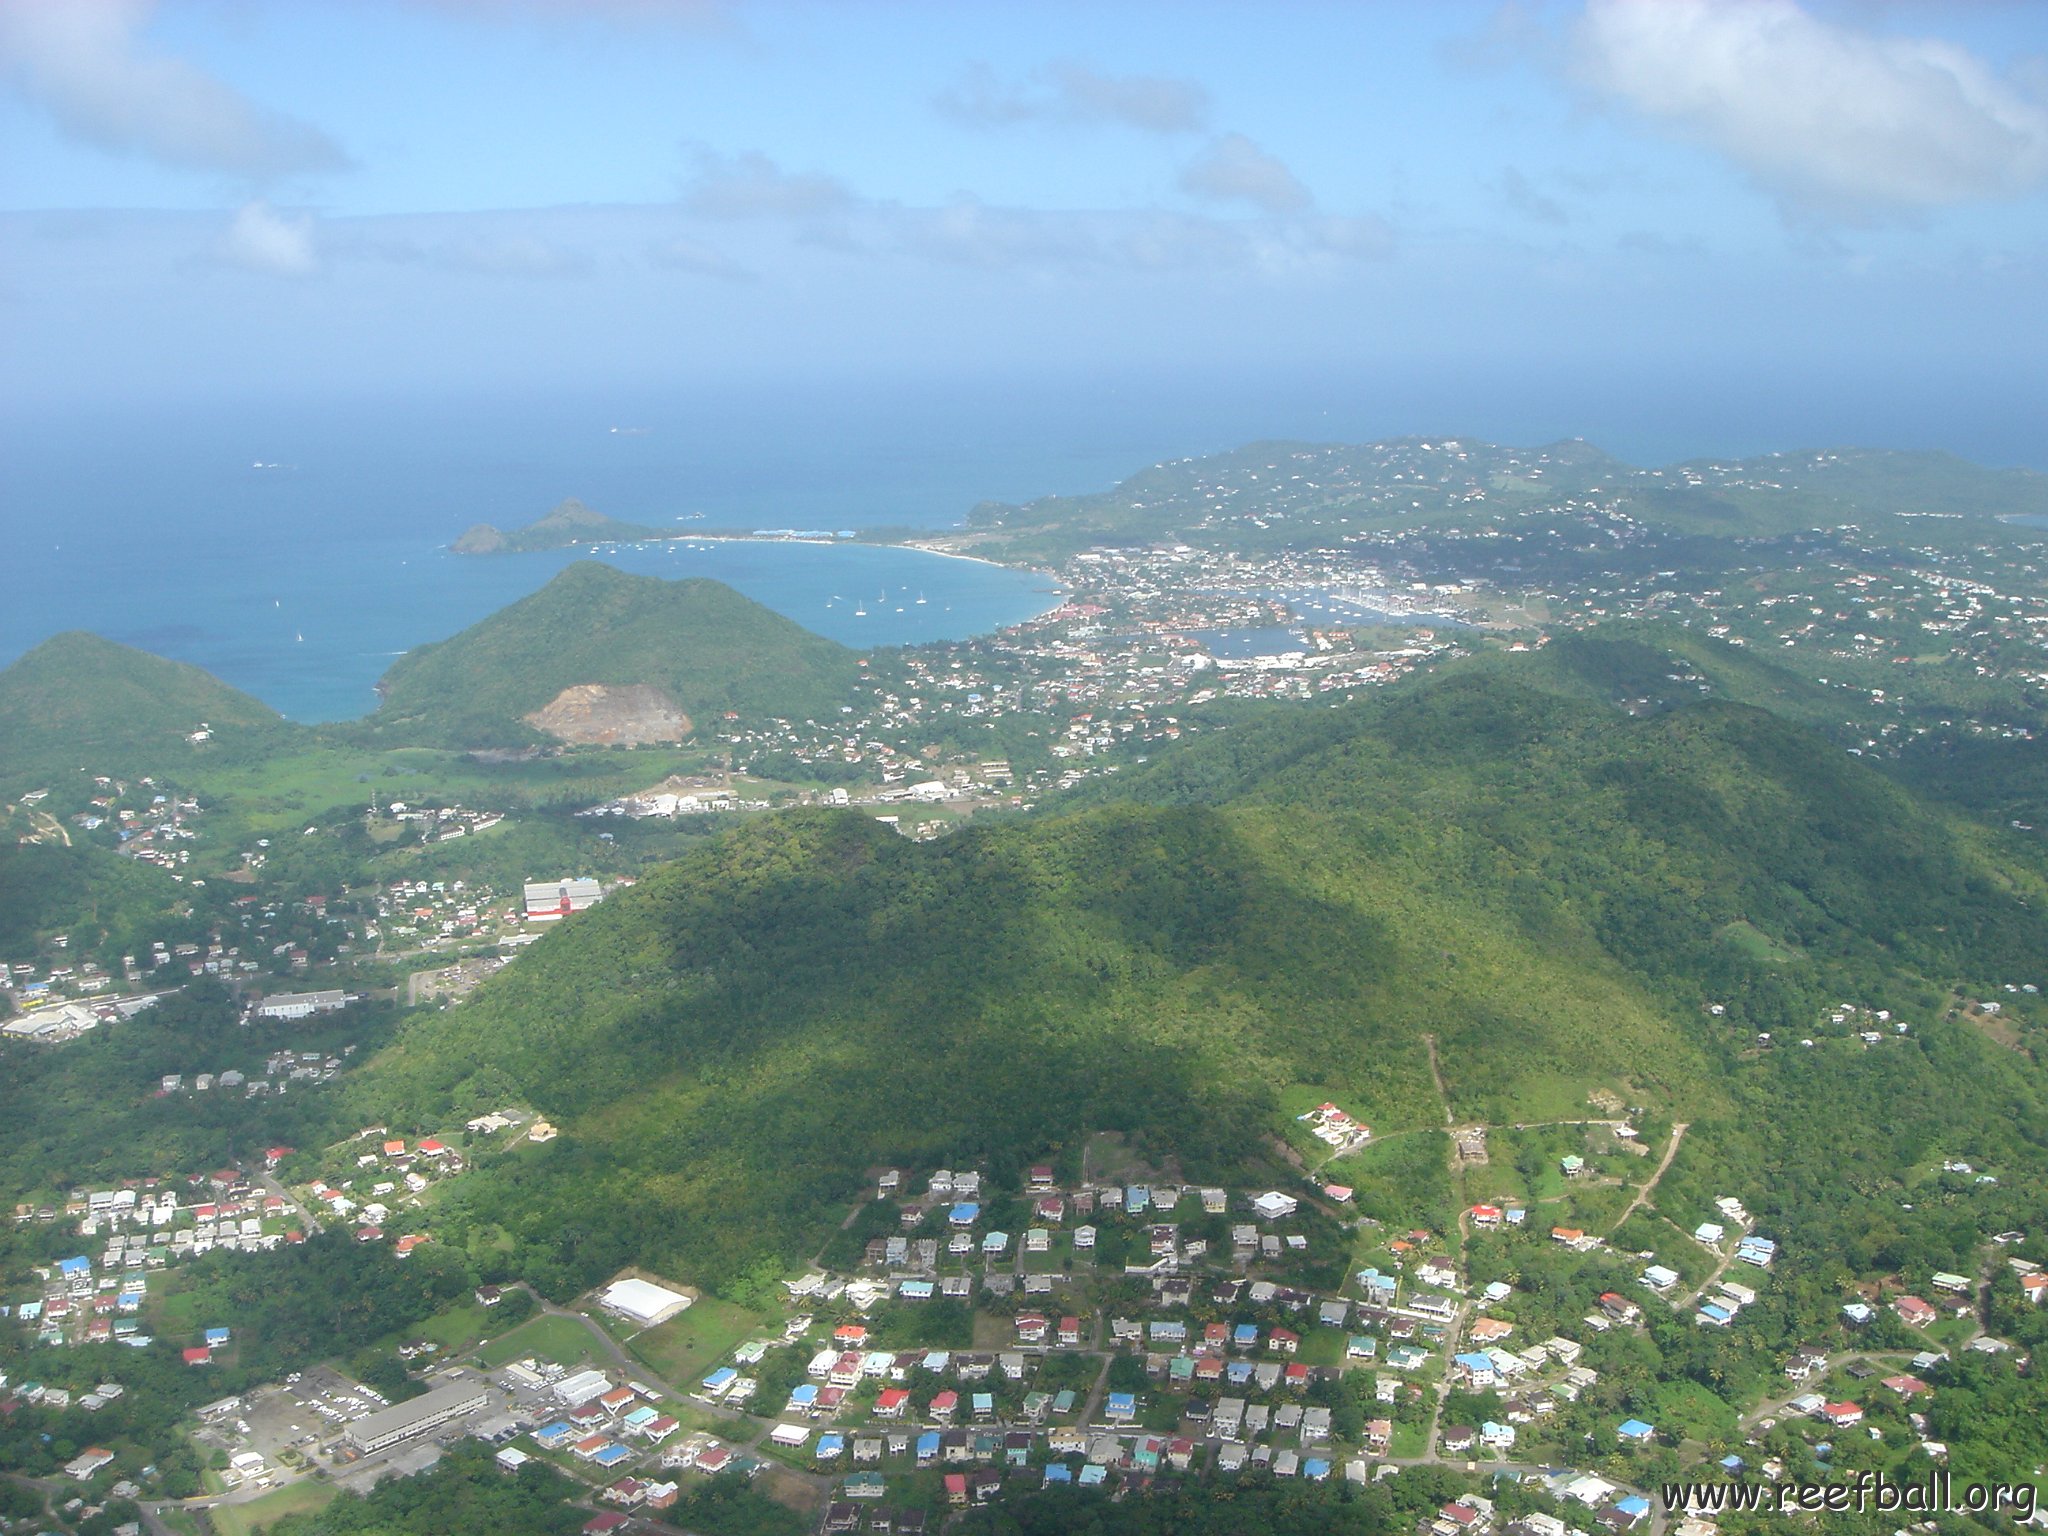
(281, 1431)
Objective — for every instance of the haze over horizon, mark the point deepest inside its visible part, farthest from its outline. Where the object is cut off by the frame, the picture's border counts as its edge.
(1671, 227)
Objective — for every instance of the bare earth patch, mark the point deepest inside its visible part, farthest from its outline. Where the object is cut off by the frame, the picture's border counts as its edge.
(634, 715)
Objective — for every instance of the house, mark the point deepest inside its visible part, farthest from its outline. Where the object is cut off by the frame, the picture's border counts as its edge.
(1477, 1369)
(1914, 1312)
(1070, 1332)
(1805, 1362)
(1635, 1432)
(1272, 1205)
(1619, 1307)
(1842, 1415)
(1459, 1438)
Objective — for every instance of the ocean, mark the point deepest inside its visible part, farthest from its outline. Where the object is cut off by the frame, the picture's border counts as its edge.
(295, 553)
(300, 580)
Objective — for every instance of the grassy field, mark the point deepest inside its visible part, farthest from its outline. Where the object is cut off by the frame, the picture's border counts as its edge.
(560, 1339)
(283, 792)
(244, 1519)
(685, 1347)
(455, 1330)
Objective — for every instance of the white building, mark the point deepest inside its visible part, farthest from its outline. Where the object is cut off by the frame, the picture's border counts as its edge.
(643, 1302)
(547, 900)
(300, 1005)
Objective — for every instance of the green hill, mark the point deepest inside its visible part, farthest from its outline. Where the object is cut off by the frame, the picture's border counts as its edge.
(700, 646)
(1278, 495)
(78, 703)
(1552, 891)
(568, 524)
(106, 905)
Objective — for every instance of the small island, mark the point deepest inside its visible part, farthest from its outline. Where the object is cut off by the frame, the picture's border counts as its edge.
(569, 524)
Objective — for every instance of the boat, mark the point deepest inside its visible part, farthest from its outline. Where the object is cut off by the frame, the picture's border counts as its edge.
(920, 599)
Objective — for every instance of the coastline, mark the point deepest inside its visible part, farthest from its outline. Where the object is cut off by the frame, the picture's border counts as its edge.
(760, 538)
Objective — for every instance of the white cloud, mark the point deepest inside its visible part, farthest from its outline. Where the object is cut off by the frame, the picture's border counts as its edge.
(1520, 194)
(750, 185)
(970, 233)
(265, 240)
(1830, 117)
(700, 15)
(87, 64)
(822, 211)
(1234, 169)
(701, 260)
(1071, 92)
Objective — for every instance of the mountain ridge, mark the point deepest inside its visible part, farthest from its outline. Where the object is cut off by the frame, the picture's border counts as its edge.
(1551, 893)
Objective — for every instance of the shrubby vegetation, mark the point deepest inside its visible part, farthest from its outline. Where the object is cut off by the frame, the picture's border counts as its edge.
(92, 1112)
(78, 703)
(287, 1309)
(106, 905)
(464, 1492)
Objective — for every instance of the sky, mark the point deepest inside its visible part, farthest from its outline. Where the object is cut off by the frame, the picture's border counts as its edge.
(1658, 206)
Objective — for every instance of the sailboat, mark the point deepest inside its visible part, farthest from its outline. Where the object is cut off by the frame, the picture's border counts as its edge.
(920, 599)
(299, 637)
(860, 611)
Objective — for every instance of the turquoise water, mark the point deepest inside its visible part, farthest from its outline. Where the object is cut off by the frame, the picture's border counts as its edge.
(151, 524)
(312, 644)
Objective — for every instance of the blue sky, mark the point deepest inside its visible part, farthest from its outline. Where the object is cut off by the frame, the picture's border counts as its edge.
(289, 198)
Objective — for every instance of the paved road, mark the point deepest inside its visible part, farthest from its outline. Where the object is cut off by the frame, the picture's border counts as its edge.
(291, 1201)
(639, 1370)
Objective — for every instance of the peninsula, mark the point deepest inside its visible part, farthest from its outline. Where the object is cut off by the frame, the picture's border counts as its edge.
(569, 524)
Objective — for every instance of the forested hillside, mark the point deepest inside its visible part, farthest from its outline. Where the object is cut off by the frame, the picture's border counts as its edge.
(1558, 895)
(706, 647)
(78, 701)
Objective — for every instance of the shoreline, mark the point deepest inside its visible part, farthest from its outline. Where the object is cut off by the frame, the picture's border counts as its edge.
(763, 538)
